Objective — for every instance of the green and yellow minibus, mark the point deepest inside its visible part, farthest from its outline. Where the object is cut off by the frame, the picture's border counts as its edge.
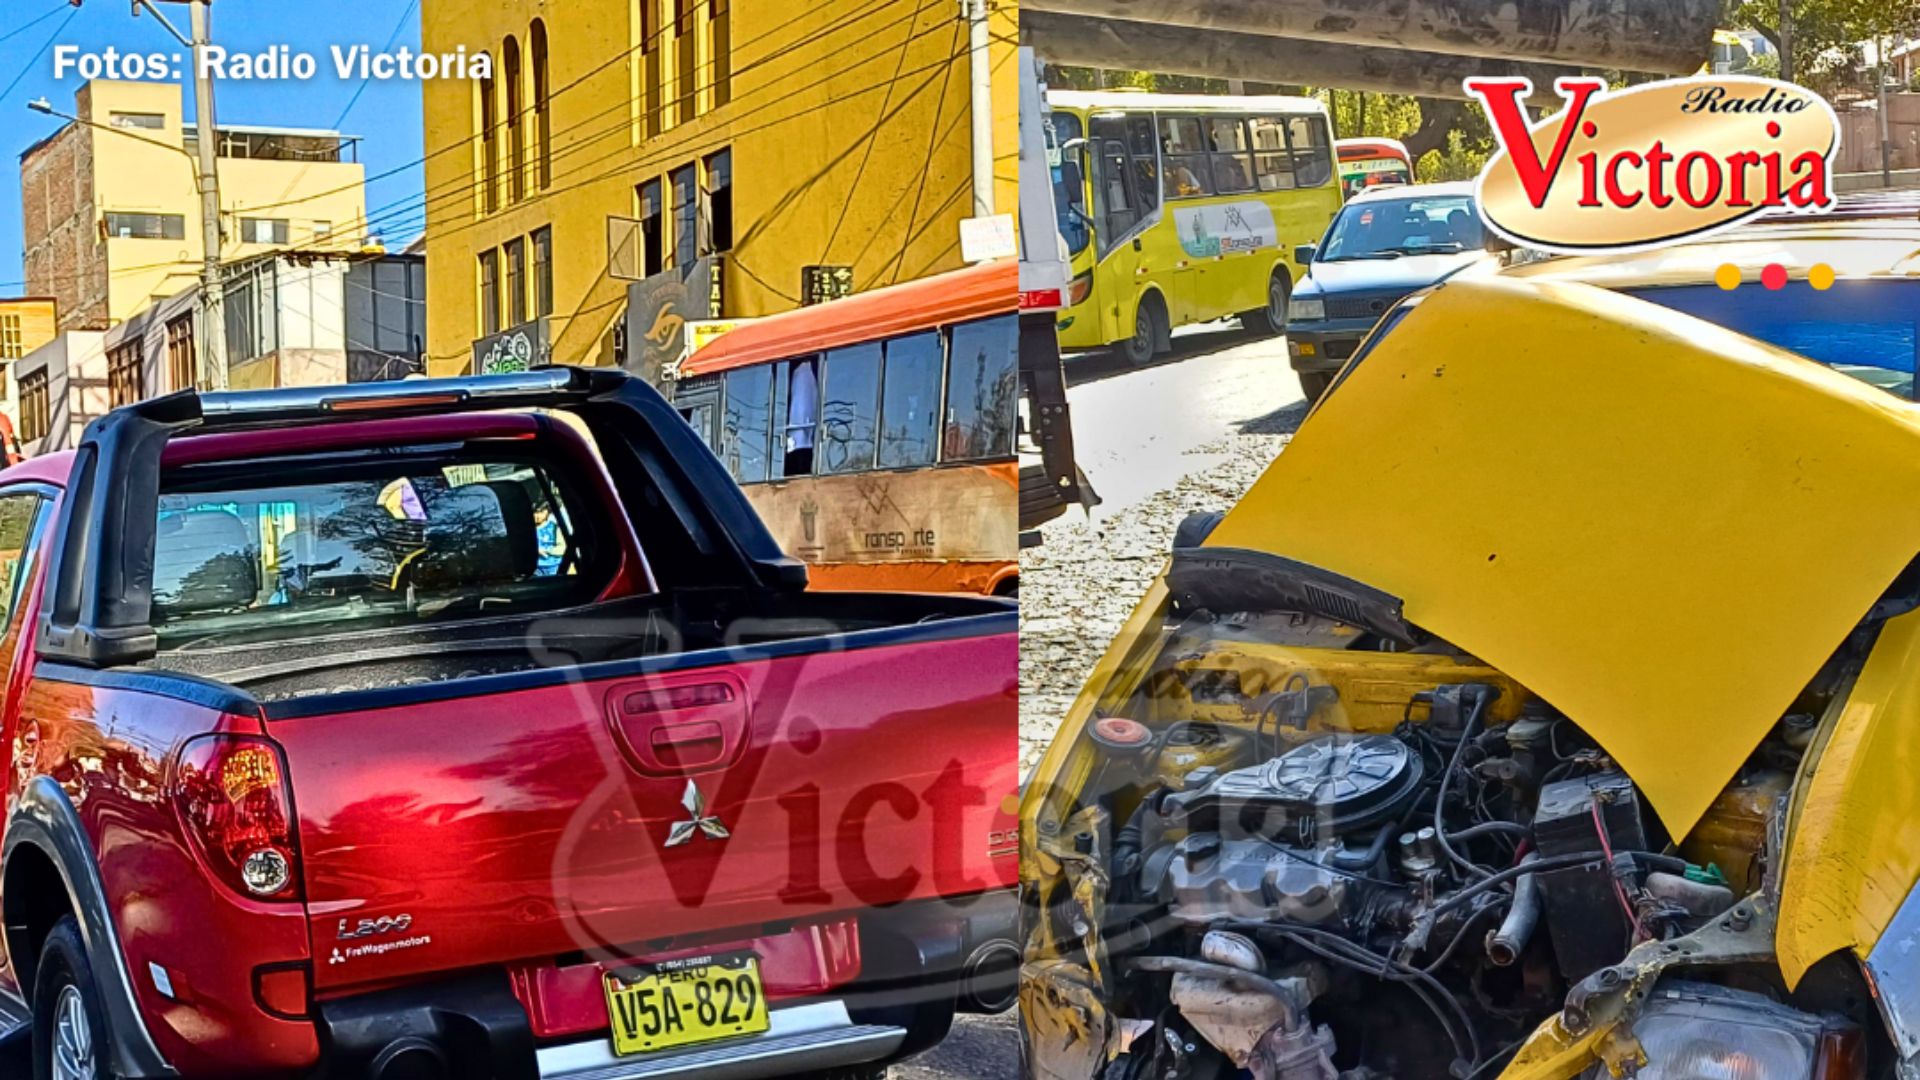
(1185, 208)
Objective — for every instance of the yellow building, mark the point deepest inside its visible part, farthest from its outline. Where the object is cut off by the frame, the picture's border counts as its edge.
(26, 323)
(111, 210)
(746, 156)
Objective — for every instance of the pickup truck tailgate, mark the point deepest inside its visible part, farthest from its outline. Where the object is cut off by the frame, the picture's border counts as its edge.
(615, 806)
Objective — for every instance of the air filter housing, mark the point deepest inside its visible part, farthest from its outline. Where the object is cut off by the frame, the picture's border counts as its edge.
(1318, 790)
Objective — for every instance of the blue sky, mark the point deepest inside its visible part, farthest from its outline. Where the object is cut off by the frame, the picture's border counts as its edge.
(387, 114)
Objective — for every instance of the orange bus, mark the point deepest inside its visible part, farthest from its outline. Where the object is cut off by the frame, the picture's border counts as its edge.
(875, 433)
(1366, 163)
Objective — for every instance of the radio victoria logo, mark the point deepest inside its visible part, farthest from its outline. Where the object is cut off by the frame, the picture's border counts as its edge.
(1622, 170)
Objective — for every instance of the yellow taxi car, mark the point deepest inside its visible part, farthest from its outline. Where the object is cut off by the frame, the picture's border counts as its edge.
(1547, 710)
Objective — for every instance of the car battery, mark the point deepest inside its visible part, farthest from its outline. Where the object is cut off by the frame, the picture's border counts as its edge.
(1585, 919)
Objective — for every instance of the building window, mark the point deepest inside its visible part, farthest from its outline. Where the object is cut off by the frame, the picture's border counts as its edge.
(181, 367)
(720, 40)
(542, 273)
(686, 58)
(686, 216)
(489, 148)
(146, 226)
(542, 106)
(322, 230)
(252, 312)
(149, 121)
(34, 411)
(124, 382)
(653, 237)
(983, 389)
(516, 251)
(516, 142)
(650, 31)
(720, 201)
(489, 293)
(13, 340)
(264, 230)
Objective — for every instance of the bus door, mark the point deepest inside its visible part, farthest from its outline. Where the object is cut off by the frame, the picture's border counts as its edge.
(1126, 199)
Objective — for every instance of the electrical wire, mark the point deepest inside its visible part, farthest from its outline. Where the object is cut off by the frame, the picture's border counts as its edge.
(442, 196)
(40, 52)
(35, 21)
(643, 46)
(1467, 732)
(1466, 1041)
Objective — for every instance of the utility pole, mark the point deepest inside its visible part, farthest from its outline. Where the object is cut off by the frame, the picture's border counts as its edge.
(982, 106)
(1884, 45)
(212, 344)
(213, 328)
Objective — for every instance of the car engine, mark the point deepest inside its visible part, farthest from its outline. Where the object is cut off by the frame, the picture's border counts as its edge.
(1333, 854)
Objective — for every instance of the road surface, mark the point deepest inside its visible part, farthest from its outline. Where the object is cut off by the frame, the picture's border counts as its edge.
(1188, 432)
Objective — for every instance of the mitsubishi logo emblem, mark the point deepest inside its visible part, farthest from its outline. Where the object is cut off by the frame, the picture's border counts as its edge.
(701, 821)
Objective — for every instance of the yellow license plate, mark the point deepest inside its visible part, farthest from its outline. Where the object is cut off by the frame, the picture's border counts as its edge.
(677, 1002)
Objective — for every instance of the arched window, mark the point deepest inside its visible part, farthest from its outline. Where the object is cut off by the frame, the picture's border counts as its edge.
(516, 142)
(542, 114)
(489, 121)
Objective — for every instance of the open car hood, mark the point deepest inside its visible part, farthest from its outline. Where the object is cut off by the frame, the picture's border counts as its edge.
(1661, 527)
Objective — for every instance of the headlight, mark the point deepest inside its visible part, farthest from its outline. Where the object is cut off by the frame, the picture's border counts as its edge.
(1698, 1031)
(1311, 309)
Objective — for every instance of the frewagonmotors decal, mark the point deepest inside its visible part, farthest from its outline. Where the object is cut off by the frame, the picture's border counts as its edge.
(1622, 170)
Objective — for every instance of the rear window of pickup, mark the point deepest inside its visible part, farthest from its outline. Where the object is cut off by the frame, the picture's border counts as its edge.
(346, 542)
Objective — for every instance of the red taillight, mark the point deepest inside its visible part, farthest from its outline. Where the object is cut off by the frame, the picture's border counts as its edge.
(232, 794)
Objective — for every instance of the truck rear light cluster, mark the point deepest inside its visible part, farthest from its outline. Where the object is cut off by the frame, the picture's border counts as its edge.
(231, 791)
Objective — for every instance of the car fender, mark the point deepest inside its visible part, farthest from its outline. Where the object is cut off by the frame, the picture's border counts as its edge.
(44, 818)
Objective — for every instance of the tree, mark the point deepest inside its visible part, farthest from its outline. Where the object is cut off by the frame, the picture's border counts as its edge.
(1824, 33)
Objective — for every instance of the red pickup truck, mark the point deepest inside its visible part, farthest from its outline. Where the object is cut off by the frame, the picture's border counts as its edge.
(476, 728)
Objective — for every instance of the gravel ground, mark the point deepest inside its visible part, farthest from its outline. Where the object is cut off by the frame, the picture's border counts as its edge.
(978, 1048)
(1080, 585)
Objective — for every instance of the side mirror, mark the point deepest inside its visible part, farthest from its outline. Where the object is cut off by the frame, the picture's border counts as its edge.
(1303, 254)
(1496, 243)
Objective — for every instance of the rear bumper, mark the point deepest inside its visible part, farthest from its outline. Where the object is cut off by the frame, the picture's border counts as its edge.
(801, 1039)
(922, 962)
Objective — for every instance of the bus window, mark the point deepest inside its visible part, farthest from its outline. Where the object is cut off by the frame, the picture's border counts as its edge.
(982, 389)
(1069, 188)
(1117, 207)
(1312, 150)
(698, 400)
(1145, 148)
(850, 406)
(1272, 163)
(748, 420)
(1232, 166)
(910, 401)
(796, 401)
(1184, 148)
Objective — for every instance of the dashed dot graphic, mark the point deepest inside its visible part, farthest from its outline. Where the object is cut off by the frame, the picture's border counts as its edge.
(1821, 276)
(1727, 276)
(1774, 276)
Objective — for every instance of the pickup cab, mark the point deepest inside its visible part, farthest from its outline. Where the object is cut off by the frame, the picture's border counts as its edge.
(476, 728)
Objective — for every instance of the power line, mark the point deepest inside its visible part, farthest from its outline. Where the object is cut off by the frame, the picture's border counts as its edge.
(431, 201)
(35, 21)
(441, 196)
(643, 46)
(40, 52)
(412, 5)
